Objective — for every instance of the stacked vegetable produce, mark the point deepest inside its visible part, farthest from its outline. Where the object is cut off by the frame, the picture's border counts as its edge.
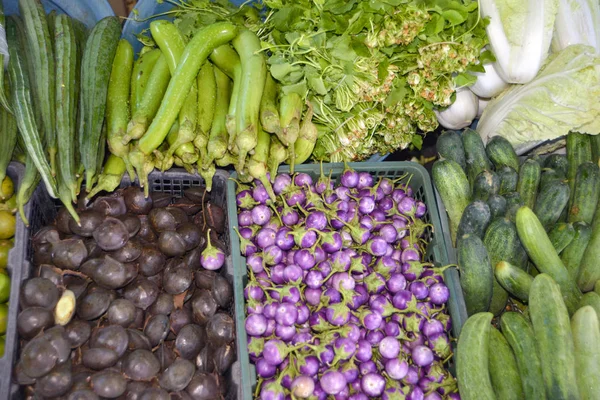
(528, 242)
(7, 232)
(57, 95)
(339, 300)
(130, 302)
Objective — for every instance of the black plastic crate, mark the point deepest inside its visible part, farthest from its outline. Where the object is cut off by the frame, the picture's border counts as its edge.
(42, 210)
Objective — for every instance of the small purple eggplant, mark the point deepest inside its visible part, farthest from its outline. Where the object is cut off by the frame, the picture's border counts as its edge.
(212, 258)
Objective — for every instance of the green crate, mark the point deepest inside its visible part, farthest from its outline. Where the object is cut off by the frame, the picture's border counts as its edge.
(437, 251)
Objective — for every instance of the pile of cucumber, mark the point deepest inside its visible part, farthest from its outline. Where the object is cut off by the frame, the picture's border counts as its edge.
(527, 237)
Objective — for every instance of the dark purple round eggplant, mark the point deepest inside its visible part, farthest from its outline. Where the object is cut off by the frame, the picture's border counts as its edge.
(180, 318)
(52, 273)
(81, 377)
(163, 305)
(180, 216)
(83, 394)
(39, 292)
(197, 194)
(99, 358)
(191, 234)
(56, 383)
(21, 377)
(177, 278)
(146, 231)
(111, 235)
(128, 253)
(132, 222)
(223, 357)
(121, 312)
(75, 284)
(42, 254)
(33, 320)
(220, 329)
(177, 376)
(111, 206)
(108, 384)
(141, 292)
(135, 390)
(78, 332)
(204, 278)
(94, 303)
(141, 365)
(192, 258)
(111, 274)
(222, 291)
(188, 206)
(113, 337)
(151, 261)
(57, 337)
(155, 394)
(204, 360)
(204, 387)
(157, 329)
(89, 221)
(69, 253)
(165, 353)
(89, 267)
(135, 201)
(63, 218)
(214, 217)
(38, 357)
(137, 340)
(162, 220)
(190, 340)
(47, 234)
(138, 322)
(181, 395)
(204, 306)
(94, 251)
(171, 244)
(160, 199)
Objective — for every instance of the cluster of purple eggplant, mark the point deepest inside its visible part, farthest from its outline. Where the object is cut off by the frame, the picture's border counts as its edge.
(340, 302)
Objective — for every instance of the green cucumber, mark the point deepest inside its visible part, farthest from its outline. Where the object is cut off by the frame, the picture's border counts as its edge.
(579, 150)
(552, 330)
(591, 299)
(597, 287)
(550, 203)
(513, 203)
(529, 182)
(573, 253)
(549, 177)
(140, 76)
(514, 280)
(587, 191)
(217, 141)
(561, 235)
(96, 66)
(476, 274)
(501, 153)
(558, 163)
(589, 268)
(472, 359)
(476, 158)
(497, 205)
(449, 146)
(453, 186)
(487, 183)
(595, 141)
(502, 242)
(508, 180)
(585, 326)
(544, 256)
(504, 372)
(519, 334)
(475, 219)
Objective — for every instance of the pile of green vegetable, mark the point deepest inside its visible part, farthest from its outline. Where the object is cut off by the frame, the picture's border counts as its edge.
(55, 100)
(528, 241)
(371, 71)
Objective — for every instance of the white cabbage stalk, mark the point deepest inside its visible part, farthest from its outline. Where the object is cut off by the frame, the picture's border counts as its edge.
(461, 113)
(482, 105)
(489, 83)
(577, 22)
(520, 32)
